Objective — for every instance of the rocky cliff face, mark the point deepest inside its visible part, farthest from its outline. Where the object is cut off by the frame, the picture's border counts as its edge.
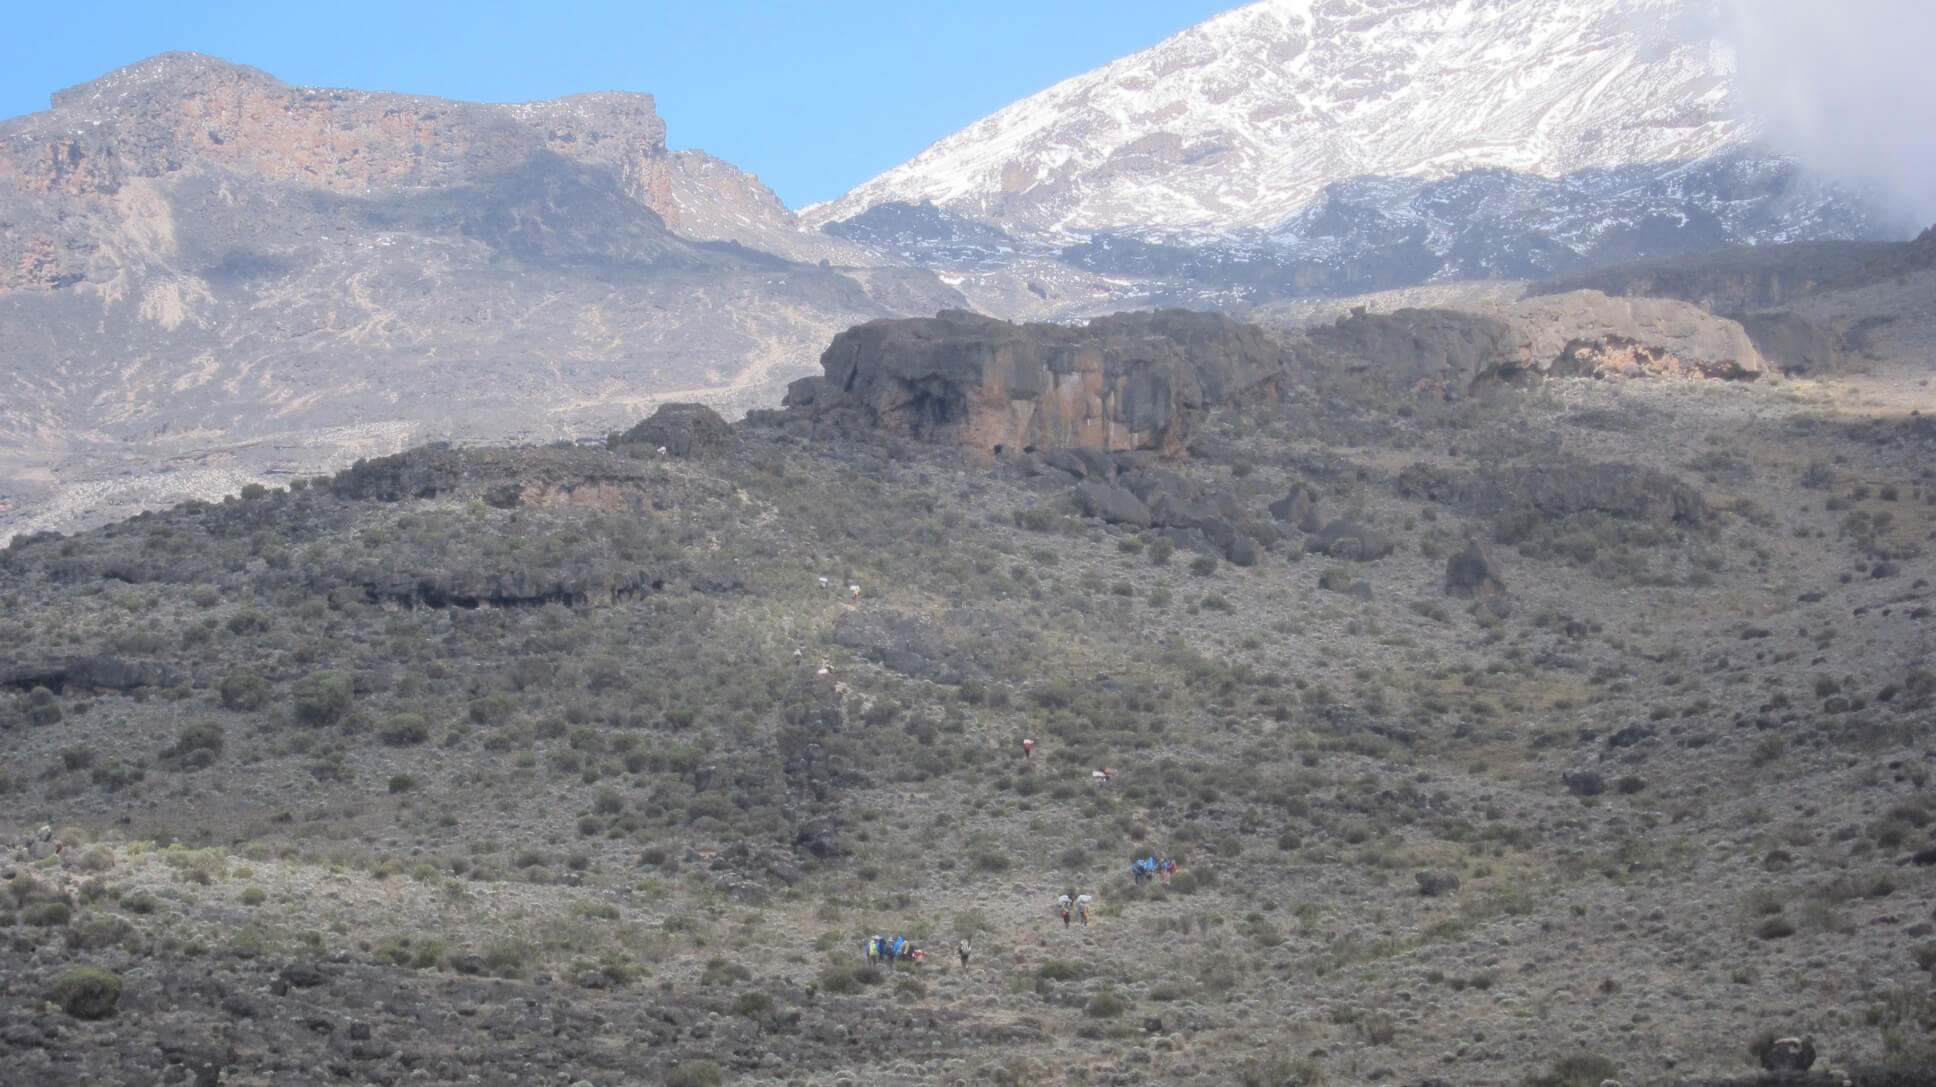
(184, 111)
(1144, 381)
(1131, 381)
(199, 261)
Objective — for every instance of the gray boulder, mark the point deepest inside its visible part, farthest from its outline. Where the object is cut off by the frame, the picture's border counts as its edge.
(1113, 504)
(1583, 782)
(1342, 539)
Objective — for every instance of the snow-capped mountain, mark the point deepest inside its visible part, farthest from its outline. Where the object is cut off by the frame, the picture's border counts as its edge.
(1241, 121)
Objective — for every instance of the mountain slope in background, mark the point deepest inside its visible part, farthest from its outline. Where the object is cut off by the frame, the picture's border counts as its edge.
(1299, 146)
(202, 266)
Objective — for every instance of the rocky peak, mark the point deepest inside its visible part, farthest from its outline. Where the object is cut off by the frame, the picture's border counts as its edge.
(176, 111)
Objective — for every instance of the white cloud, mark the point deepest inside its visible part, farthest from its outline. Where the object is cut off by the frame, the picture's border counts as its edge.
(1846, 86)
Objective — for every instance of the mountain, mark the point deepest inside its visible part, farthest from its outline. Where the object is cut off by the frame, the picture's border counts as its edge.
(1297, 146)
(205, 269)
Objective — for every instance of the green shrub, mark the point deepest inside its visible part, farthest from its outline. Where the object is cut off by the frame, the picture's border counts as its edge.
(1105, 1004)
(324, 697)
(88, 992)
(244, 691)
(254, 896)
(752, 1004)
(405, 730)
(47, 914)
(699, 1073)
(1058, 970)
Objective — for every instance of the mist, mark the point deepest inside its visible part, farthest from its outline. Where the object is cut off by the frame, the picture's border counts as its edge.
(1847, 87)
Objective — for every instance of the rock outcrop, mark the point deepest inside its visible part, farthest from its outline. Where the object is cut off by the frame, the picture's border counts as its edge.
(1126, 382)
(682, 430)
(1589, 334)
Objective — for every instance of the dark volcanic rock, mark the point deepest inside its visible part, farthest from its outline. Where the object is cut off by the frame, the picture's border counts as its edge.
(1473, 574)
(1789, 1055)
(1342, 539)
(1131, 381)
(1583, 782)
(1114, 504)
(682, 430)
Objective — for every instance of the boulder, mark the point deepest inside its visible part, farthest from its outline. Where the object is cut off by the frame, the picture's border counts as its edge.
(1583, 782)
(1629, 736)
(1297, 507)
(1342, 539)
(1473, 574)
(1113, 504)
(682, 430)
(1789, 1055)
(1241, 551)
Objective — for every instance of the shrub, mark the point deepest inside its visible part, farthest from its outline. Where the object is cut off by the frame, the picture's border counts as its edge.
(1105, 1004)
(88, 992)
(1058, 970)
(507, 958)
(254, 896)
(323, 698)
(699, 1073)
(47, 914)
(405, 730)
(244, 691)
(1578, 1070)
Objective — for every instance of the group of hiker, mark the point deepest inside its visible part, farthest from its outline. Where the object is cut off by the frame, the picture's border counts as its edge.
(888, 950)
(1148, 868)
(1078, 905)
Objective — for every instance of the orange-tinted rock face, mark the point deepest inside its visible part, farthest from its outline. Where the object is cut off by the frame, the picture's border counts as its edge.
(168, 112)
(1129, 382)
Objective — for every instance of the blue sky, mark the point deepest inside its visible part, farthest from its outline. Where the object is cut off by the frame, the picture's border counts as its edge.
(813, 97)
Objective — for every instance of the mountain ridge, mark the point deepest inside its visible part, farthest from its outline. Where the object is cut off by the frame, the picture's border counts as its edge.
(1238, 121)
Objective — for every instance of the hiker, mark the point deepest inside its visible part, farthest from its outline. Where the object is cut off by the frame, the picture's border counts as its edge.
(854, 591)
(1100, 777)
(1082, 908)
(1165, 868)
(961, 949)
(1028, 749)
(919, 955)
(824, 582)
(874, 951)
(1062, 906)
